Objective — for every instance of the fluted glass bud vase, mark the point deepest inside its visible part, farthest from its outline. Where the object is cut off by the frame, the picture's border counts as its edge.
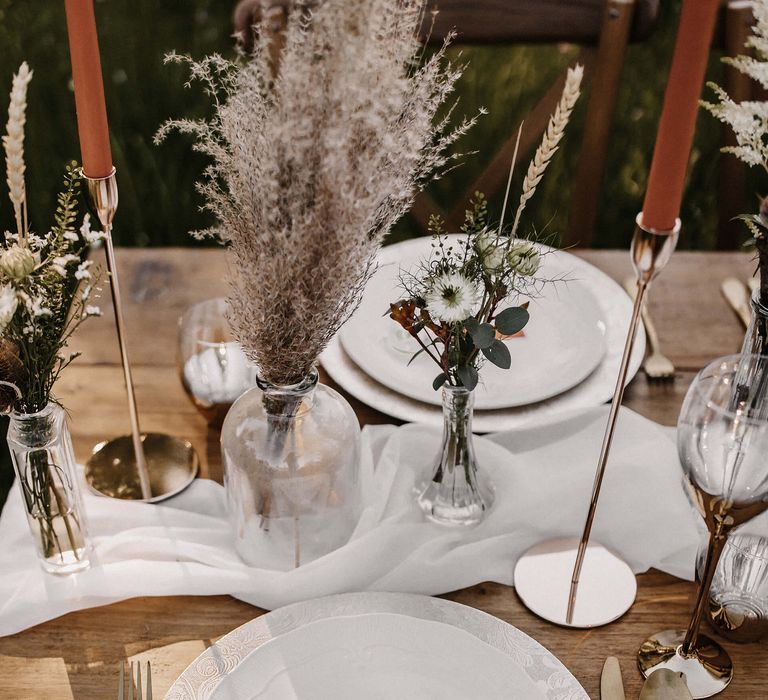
(291, 456)
(457, 493)
(756, 339)
(42, 455)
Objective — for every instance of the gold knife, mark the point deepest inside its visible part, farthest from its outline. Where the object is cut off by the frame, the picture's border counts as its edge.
(611, 685)
(736, 295)
(665, 685)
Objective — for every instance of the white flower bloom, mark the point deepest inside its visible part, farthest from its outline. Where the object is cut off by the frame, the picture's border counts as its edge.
(490, 249)
(82, 270)
(88, 235)
(64, 260)
(8, 304)
(92, 311)
(452, 298)
(71, 236)
(86, 293)
(524, 258)
(17, 262)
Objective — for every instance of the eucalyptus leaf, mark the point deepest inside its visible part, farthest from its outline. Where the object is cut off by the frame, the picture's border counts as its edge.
(498, 354)
(468, 376)
(439, 380)
(483, 334)
(512, 320)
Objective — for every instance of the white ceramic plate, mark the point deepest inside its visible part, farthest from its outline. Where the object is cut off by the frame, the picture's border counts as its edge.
(562, 344)
(596, 389)
(382, 646)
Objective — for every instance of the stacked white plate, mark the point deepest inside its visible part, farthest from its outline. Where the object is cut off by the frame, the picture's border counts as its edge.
(567, 358)
(378, 646)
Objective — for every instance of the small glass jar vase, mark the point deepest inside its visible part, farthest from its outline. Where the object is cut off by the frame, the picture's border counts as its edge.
(42, 454)
(756, 338)
(456, 494)
(291, 457)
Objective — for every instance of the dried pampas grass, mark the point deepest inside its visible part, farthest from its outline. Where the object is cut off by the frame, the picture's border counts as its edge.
(310, 169)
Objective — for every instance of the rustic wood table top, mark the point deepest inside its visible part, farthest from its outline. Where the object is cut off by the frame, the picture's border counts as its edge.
(77, 656)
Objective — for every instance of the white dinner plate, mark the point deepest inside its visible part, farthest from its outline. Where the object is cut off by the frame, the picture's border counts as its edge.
(378, 646)
(562, 344)
(597, 388)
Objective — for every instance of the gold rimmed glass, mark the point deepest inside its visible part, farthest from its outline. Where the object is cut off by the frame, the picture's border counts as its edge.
(723, 448)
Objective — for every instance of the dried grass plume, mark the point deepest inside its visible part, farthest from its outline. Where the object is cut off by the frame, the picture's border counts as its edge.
(13, 142)
(309, 170)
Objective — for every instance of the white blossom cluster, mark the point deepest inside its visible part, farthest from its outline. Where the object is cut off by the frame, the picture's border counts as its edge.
(313, 161)
(748, 119)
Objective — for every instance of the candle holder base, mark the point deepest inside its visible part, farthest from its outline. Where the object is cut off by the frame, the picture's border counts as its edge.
(172, 465)
(708, 669)
(607, 585)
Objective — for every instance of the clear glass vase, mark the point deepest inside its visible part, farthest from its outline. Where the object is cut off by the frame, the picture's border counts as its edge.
(291, 456)
(42, 454)
(456, 494)
(756, 339)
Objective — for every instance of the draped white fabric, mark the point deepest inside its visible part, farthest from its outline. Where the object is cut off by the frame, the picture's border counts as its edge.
(542, 473)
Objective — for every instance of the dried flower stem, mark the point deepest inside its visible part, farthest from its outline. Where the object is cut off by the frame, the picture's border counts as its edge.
(552, 137)
(13, 142)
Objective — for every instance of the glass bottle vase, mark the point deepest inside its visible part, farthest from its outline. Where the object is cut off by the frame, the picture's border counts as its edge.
(756, 338)
(42, 455)
(457, 493)
(291, 456)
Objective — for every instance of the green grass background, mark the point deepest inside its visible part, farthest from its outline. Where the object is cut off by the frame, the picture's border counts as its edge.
(158, 204)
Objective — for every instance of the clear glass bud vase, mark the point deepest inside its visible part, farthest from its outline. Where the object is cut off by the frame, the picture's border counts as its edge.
(291, 456)
(456, 494)
(42, 454)
(756, 339)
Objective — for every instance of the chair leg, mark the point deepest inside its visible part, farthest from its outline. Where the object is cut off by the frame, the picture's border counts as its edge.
(587, 185)
(732, 173)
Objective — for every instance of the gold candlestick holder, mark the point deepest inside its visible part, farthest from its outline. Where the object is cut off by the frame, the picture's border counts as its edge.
(141, 466)
(574, 582)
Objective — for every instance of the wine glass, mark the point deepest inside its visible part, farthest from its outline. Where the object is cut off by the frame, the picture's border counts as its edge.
(723, 446)
(213, 367)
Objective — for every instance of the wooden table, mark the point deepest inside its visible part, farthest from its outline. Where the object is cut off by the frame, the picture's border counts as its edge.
(76, 656)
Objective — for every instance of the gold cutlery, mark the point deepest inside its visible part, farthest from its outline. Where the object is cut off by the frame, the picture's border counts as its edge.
(657, 366)
(611, 685)
(736, 295)
(134, 682)
(665, 685)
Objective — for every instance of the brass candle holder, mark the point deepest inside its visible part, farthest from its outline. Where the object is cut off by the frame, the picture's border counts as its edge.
(575, 582)
(145, 467)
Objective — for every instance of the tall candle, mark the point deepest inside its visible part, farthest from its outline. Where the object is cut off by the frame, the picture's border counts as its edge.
(89, 88)
(678, 116)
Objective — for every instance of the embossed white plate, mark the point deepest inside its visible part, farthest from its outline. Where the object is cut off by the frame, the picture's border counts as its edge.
(385, 646)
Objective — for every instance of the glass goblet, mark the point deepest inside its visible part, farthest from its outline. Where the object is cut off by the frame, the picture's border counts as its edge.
(213, 367)
(723, 446)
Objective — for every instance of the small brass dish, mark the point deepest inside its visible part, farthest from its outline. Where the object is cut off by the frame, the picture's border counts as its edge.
(172, 464)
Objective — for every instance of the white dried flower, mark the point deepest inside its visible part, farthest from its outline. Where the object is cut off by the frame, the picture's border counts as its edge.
(8, 304)
(524, 258)
(82, 272)
(92, 311)
(88, 235)
(490, 249)
(452, 298)
(17, 262)
(13, 142)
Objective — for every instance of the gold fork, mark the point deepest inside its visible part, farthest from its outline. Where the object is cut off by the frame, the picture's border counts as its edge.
(134, 682)
(657, 366)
